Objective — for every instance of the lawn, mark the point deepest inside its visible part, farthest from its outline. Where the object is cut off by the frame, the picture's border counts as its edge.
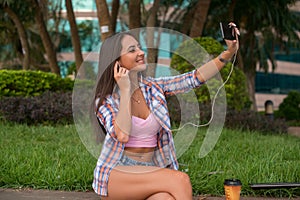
(53, 157)
(249, 156)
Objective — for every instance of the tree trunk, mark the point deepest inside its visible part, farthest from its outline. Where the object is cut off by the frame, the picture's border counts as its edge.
(56, 16)
(48, 45)
(134, 14)
(247, 62)
(231, 10)
(152, 55)
(199, 18)
(250, 76)
(104, 19)
(22, 35)
(74, 35)
(187, 21)
(114, 14)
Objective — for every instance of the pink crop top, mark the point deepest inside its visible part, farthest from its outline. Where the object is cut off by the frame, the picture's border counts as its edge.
(143, 132)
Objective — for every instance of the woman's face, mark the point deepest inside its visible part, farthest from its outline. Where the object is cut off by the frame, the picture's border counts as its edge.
(132, 57)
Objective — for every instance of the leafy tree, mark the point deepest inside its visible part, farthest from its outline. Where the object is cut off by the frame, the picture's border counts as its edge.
(22, 35)
(236, 92)
(264, 25)
(27, 16)
(13, 25)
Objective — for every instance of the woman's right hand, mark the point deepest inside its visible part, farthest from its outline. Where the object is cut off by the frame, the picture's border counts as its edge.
(123, 126)
(121, 76)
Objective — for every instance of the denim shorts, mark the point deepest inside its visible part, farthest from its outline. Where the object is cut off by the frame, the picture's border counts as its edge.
(126, 161)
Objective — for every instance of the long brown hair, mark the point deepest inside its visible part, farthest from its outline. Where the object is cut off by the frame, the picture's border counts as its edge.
(110, 52)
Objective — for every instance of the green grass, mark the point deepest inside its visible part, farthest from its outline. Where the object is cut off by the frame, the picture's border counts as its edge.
(54, 158)
(44, 157)
(248, 156)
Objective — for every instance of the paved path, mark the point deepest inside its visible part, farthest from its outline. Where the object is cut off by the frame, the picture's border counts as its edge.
(29, 194)
(294, 130)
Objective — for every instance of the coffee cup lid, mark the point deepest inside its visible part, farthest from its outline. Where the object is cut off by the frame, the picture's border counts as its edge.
(232, 182)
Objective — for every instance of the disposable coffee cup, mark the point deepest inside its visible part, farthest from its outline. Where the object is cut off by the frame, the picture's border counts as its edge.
(232, 189)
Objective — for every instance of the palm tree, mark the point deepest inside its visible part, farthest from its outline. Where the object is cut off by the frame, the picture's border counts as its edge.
(48, 45)
(270, 26)
(74, 35)
(152, 54)
(264, 25)
(199, 19)
(134, 7)
(104, 19)
(114, 14)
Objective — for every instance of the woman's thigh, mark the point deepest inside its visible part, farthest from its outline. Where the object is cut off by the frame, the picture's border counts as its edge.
(142, 182)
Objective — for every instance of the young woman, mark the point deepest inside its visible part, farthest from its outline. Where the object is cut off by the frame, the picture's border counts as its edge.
(138, 159)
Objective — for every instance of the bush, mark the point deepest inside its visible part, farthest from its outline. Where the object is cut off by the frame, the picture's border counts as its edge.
(236, 90)
(175, 111)
(245, 119)
(87, 69)
(31, 83)
(290, 107)
(252, 121)
(48, 108)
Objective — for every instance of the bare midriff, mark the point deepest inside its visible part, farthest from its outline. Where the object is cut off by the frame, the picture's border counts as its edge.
(140, 149)
(143, 154)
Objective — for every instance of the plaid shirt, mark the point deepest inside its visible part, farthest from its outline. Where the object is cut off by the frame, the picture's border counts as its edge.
(155, 91)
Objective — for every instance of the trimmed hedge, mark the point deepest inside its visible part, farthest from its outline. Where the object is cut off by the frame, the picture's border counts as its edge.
(48, 108)
(245, 120)
(31, 83)
(35, 97)
(252, 121)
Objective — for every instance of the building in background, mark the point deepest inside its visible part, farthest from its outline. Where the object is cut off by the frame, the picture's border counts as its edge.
(273, 86)
(276, 84)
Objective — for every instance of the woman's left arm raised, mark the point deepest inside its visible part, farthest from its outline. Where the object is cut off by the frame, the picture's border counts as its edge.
(208, 70)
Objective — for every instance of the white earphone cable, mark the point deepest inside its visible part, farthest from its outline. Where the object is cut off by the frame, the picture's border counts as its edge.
(213, 101)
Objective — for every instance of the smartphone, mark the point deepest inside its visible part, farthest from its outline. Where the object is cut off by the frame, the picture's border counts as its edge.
(227, 31)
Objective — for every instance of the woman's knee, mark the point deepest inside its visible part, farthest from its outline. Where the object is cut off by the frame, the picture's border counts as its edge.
(160, 196)
(183, 181)
(183, 178)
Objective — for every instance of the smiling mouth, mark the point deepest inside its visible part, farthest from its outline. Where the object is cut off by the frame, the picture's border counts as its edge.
(141, 61)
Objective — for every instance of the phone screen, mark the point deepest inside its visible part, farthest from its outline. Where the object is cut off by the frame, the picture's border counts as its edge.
(228, 32)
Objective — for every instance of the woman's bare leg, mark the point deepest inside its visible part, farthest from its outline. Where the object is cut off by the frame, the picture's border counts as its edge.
(142, 182)
(161, 196)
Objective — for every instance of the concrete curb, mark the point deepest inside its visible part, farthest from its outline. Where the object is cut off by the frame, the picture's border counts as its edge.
(26, 194)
